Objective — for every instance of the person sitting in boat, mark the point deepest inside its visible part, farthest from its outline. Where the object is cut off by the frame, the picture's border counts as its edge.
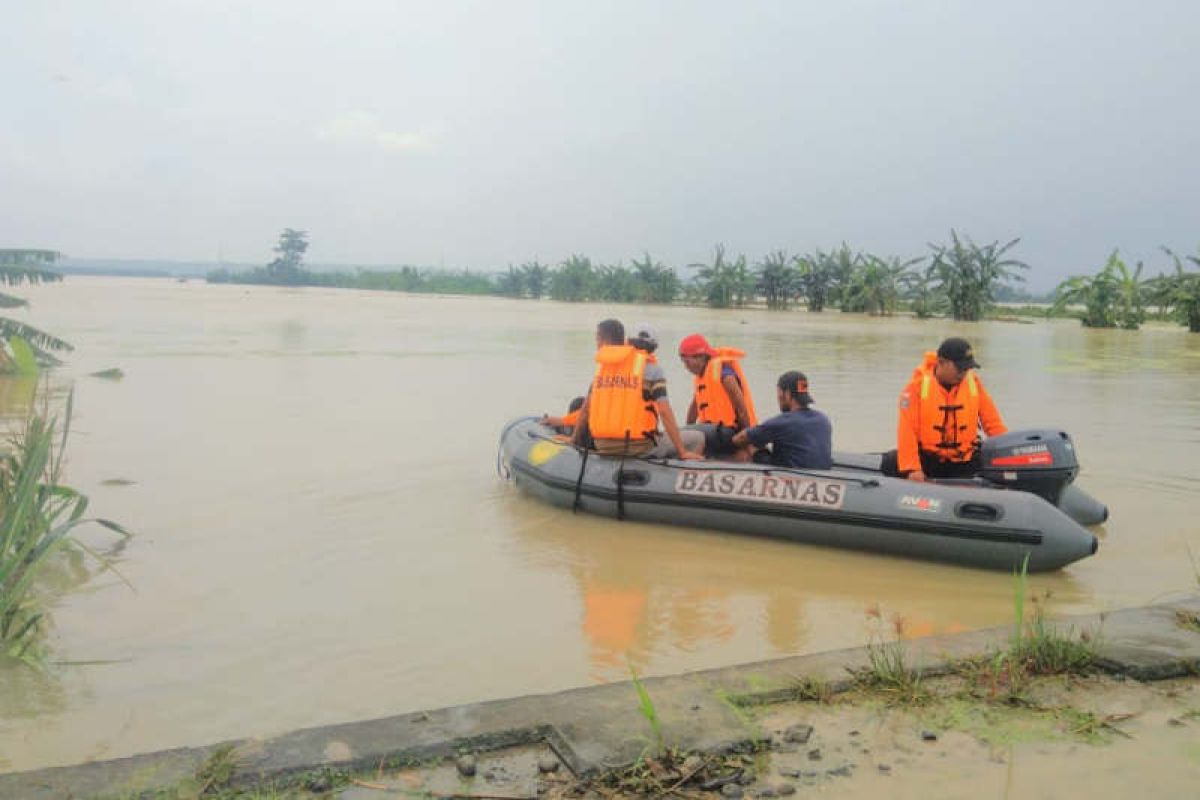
(942, 410)
(721, 403)
(567, 422)
(800, 436)
(628, 398)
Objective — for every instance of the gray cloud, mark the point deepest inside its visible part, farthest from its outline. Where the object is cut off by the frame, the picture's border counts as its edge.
(481, 133)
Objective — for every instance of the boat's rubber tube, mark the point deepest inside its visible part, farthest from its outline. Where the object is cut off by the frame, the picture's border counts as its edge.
(1082, 507)
(1074, 501)
(967, 525)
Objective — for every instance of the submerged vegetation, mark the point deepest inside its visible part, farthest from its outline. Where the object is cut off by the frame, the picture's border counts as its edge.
(38, 514)
(958, 278)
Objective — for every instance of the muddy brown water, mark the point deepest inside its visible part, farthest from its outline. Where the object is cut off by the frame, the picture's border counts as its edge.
(322, 537)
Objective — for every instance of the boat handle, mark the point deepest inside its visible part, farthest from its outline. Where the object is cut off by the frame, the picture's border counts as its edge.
(984, 511)
(631, 477)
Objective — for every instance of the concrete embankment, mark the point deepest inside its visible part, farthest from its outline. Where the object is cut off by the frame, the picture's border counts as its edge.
(597, 728)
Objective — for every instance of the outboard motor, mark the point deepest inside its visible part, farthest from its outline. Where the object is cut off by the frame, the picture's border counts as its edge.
(1039, 461)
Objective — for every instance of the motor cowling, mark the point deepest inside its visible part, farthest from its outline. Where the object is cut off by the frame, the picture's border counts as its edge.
(1040, 461)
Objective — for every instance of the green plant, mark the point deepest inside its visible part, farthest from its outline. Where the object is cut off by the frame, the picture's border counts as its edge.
(655, 283)
(217, 769)
(27, 266)
(573, 280)
(778, 279)
(37, 515)
(1181, 291)
(1036, 647)
(1113, 297)
(887, 672)
(724, 283)
(808, 688)
(646, 706)
(969, 274)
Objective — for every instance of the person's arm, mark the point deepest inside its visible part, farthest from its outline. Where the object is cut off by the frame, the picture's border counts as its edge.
(741, 439)
(908, 457)
(579, 435)
(692, 413)
(989, 415)
(667, 415)
(734, 390)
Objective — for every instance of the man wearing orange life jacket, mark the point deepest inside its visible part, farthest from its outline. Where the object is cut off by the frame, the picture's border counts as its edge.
(628, 397)
(942, 410)
(721, 402)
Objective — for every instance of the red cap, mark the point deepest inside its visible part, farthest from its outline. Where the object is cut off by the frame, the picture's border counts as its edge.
(695, 345)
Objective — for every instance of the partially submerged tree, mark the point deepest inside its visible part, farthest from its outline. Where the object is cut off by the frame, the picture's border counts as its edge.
(969, 274)
(778, 279)
(573, 279)
(18, 266)
(656, 283)
(876, 286)
(535, 275)
(1113, 297)
(1181, 291)
(724, 283)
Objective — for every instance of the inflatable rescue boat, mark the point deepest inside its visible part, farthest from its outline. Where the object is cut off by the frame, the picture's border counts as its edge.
(997, 521)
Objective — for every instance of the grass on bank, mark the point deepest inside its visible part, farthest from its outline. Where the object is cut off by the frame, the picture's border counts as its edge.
(37, 517)
(1036, 647)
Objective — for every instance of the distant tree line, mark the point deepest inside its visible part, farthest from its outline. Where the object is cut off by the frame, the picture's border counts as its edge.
(958, 278)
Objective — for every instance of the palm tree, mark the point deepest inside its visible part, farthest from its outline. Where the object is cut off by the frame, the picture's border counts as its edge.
(17, 267)
(969, 274)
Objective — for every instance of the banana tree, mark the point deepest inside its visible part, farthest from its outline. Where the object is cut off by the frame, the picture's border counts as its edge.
(1182, 291)
(27, 344)
(968, 274)
(778, 279)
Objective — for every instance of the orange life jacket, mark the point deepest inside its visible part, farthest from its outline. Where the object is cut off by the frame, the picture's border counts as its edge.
(948, 422)
(712, 401)
(618, 406)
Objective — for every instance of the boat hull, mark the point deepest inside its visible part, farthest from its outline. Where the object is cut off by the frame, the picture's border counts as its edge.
(849, 508)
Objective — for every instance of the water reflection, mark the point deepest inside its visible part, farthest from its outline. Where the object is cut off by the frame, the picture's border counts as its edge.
(649, 596)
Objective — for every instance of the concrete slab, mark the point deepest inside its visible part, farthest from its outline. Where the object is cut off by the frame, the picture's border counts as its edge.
(598, 727)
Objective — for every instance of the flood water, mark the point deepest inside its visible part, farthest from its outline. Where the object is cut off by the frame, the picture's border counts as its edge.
(321, 535)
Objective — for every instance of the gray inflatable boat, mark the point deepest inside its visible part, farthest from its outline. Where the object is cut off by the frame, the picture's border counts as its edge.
(965, 523)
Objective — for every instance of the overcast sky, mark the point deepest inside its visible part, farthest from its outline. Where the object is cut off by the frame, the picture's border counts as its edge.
(478, 134)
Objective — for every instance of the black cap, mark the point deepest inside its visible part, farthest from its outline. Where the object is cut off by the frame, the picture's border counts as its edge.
(959, 351)
(795, 383)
